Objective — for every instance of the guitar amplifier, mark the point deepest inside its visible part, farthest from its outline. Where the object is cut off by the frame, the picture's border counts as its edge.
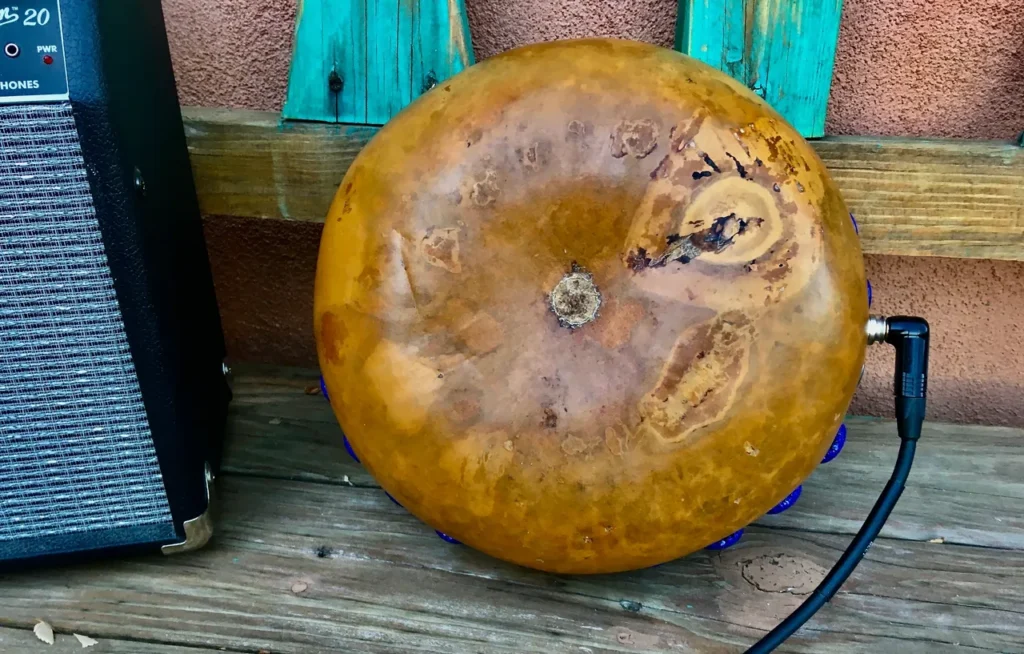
(113, 389)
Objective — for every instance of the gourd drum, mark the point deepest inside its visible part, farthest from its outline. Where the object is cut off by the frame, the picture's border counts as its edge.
(589, 306)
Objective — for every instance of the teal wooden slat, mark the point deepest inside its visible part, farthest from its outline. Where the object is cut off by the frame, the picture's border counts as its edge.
(784, 50)
(382, 53)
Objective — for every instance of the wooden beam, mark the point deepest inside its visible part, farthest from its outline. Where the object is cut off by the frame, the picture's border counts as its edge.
(911, 196)
(783, 50)
(362, 61)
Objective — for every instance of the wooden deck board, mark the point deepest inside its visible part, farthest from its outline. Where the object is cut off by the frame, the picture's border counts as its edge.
(305, 561)
(23, 640)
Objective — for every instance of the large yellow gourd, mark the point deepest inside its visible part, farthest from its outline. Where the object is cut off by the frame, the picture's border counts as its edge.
(589, 306)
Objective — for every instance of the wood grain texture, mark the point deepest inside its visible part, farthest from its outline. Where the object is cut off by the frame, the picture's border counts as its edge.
(251, 164)
(911, 197)
(378, 54)
(304, 563)
(20, 639)
(370, 577)
(966, 487)
(783, 50)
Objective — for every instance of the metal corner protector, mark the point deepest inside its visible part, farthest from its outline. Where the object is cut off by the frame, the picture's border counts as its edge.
(198, 530)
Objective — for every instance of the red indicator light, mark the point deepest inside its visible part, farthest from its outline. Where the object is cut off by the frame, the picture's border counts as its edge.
(47, 59)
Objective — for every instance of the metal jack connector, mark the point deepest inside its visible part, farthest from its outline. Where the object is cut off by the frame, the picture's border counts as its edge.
(876, 329)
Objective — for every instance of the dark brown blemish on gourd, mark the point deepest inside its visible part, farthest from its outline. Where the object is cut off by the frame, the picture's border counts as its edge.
(635, 137)
(711, 162)
(464, 406)
(680, 138)
(662, 203)
(550, 418)
(578, 130)
(663, 169)
(333, 334)
(441, 248)
(717, 237)
(535, 156)
(779, 269)
(739, 167)
(485, 191)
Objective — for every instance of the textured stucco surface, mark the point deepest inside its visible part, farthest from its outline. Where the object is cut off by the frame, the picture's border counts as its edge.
(231, 53)
(974, 309)
(904, 67)
(950, 68)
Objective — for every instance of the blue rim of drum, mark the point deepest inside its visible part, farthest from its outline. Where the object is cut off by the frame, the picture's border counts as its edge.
(787, 502)
(837, 444)
(348, 448)
(446, 538)
(726, 542)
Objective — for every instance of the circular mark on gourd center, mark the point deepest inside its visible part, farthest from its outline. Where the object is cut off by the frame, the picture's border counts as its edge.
(575, 299)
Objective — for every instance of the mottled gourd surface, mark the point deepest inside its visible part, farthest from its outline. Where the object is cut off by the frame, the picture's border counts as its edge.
(589, 306)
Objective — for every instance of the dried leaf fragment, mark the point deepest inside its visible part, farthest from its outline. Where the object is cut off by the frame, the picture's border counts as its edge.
(85, 640)
(43, 632)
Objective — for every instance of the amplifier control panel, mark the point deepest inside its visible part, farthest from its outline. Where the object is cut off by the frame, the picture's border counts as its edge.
(32, 59)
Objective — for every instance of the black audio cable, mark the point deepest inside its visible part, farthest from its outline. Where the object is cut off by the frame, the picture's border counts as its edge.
(910, 338)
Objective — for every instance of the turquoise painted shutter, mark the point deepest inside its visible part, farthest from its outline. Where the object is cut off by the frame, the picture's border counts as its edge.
(362, 61)
(784, 50)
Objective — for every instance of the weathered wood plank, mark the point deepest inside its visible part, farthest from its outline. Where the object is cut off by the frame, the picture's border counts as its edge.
(967, 485)
(377, 54)
(303, 567)
(932, 198)
(20, 640)
(911, 197)
(250, 164)
(784, 50)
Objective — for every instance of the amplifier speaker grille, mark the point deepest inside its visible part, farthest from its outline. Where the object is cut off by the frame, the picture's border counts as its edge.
(76, 453)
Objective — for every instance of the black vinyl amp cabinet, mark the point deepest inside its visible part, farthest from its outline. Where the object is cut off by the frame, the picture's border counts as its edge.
(113, 389)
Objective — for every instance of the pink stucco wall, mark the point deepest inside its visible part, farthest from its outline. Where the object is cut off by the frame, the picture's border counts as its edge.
(903, 67)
